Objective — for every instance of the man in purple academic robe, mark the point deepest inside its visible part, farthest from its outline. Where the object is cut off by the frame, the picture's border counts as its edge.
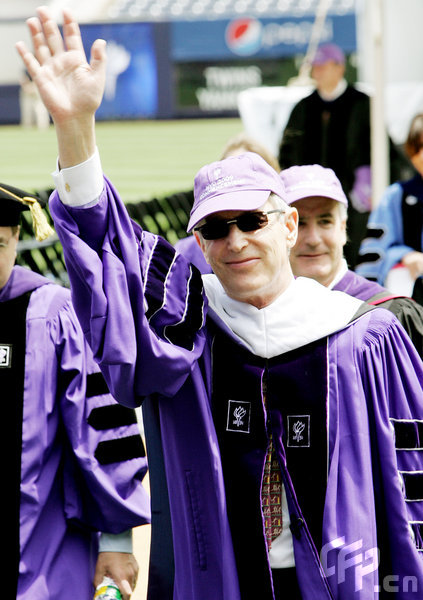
(317, 194)
(283, 420)
(77, 460)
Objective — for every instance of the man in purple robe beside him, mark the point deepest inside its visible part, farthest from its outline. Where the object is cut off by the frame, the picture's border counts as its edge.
(317, 194)
(283, 419)
(77, 460)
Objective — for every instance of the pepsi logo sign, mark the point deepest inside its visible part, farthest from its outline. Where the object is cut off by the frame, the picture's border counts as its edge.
(243, 36)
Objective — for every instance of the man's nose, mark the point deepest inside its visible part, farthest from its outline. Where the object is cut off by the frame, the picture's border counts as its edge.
(312, 236)
(236, 239)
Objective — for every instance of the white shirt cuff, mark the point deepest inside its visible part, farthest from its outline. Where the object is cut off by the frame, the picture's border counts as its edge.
(82, 184)
(116, 542)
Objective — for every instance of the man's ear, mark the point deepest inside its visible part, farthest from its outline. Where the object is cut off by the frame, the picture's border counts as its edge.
(291, 223)
(198, 239)
(344, 232)
(201, 243)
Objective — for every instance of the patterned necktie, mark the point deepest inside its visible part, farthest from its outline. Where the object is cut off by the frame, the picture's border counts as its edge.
(271, 495)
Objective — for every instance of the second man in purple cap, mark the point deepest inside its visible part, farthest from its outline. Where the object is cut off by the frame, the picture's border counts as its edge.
(270, 418)
(322, 209)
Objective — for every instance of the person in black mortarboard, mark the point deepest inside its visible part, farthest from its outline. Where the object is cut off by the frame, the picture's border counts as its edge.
(14, 201)
(66, 479)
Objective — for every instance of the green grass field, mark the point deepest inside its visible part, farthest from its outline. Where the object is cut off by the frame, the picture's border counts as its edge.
(144, 159)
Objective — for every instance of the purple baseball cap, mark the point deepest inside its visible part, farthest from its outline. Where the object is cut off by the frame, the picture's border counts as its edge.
(327, 52)
(309, 181)
(242, 182)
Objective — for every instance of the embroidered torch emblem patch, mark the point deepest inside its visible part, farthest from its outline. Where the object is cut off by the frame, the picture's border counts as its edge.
(238, 418)
(298, 431)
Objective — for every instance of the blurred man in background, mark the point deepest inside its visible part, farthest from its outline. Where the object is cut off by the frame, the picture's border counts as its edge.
(331, 127)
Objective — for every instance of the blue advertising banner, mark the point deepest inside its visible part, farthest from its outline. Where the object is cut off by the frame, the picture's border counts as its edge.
(131, 78)
(255, 38)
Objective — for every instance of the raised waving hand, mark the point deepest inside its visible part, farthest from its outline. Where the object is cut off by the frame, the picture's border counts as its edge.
(70, 87)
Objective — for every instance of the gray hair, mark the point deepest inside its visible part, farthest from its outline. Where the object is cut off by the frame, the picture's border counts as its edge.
(278, 202)
(343, 211)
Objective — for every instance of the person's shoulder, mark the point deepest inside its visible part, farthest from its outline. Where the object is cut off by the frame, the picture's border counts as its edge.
(392, 194)
(307, 100)
(414, 185)
(358, 286)
(370, 325)
(50, 299)
(390, 199)
(405, 307)
(351, 90)
(185, 243)
(356, 100)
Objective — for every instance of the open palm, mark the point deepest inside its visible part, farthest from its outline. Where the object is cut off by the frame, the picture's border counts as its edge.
(70, 87)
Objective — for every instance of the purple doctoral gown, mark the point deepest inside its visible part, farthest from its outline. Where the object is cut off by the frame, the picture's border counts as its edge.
(82, 461)
(142, 308)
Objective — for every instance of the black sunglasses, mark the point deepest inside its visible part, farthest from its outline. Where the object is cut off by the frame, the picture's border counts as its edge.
(216, 229)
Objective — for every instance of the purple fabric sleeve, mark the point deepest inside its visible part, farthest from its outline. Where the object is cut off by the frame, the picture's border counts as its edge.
(366, 511)
(142, 309)
(117, 271)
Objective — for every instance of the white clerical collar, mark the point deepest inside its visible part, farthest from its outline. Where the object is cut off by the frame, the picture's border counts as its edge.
(340, 274)
(334, 94)
(305, 312)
